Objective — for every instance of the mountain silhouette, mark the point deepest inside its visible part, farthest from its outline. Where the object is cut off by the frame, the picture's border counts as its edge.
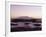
(24, 17)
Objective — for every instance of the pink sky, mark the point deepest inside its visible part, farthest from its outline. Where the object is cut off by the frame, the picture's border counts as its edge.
(23, 10)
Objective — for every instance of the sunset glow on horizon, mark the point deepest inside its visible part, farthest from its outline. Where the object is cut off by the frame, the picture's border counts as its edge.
(25, 10)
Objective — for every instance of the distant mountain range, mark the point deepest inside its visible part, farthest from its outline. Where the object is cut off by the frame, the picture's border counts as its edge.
(25, 17)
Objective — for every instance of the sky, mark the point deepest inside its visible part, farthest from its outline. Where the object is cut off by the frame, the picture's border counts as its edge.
(25, 10)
